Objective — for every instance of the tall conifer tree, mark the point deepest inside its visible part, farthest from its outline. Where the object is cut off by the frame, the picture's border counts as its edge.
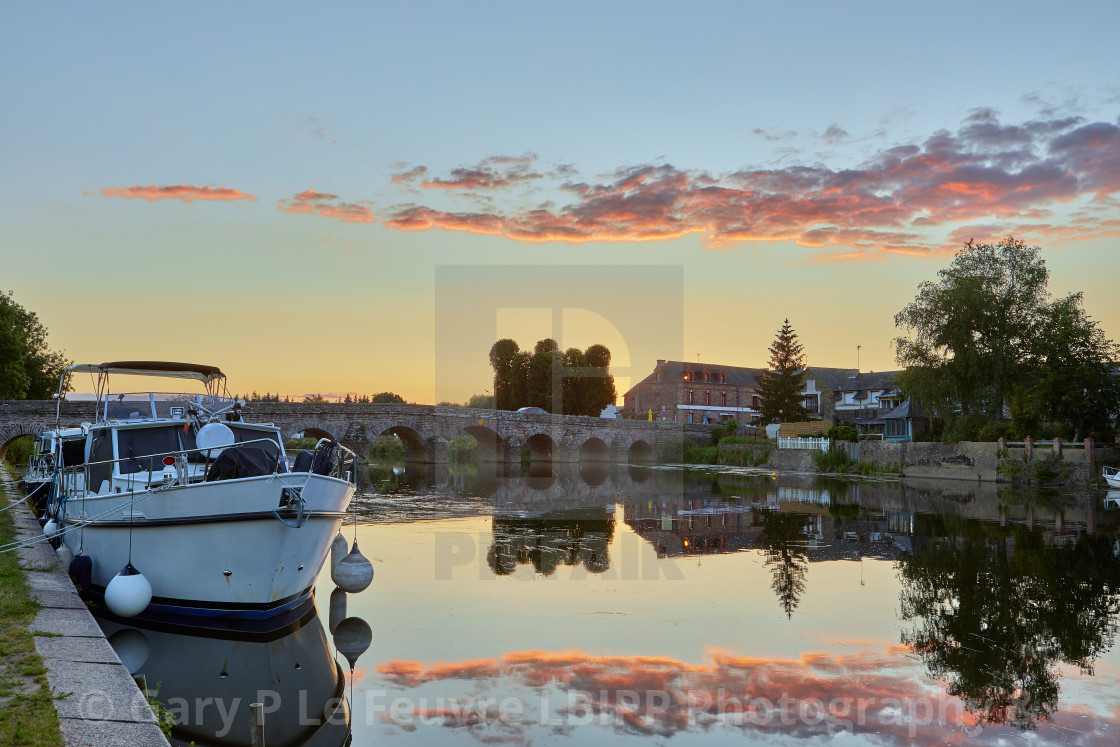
(780, 388)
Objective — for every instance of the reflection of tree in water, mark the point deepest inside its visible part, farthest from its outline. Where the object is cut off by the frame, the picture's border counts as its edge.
(555, 538)
(783, 540)
(996, 612)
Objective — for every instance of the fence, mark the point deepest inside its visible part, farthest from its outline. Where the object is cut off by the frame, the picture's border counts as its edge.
(803, 443)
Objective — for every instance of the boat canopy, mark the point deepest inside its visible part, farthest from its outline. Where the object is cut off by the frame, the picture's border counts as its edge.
(197, 371)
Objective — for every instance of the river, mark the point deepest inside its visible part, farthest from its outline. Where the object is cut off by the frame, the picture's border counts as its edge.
(607, 604)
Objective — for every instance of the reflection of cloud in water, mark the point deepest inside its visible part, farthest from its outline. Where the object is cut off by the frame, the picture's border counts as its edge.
(815, 696)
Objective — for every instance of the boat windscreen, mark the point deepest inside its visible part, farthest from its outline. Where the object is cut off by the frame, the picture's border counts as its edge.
(134, 444)
(73, 453)
(243, 434)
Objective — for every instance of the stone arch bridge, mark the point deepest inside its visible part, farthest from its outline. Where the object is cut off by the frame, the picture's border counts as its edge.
(425, 430)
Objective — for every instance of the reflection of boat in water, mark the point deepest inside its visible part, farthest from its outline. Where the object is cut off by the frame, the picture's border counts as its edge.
(207, 683)
(1112, 500)
(548, 539)
(1111, 475)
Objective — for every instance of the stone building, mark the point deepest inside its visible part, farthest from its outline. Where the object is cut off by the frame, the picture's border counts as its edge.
(851, 396)
(684, 392)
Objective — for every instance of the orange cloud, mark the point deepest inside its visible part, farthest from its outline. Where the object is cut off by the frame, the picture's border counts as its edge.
(903, 199)
(324, 204)
(184, 192)
(812, 697)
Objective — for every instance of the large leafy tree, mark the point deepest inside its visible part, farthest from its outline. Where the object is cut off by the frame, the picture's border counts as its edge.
(1073, 379)
(546, 374)
(575, 382)
(29, 369)
(987, 334)
(969, 332)
(505, 360)
(780, 390)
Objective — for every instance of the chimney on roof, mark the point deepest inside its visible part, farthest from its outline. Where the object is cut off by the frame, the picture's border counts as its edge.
(660, 362)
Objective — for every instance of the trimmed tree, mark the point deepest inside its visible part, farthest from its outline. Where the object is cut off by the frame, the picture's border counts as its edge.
(780, 389)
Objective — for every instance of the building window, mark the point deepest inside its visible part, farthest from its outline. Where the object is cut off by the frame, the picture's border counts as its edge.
(723, 397)
(690, 399)
(755, 402)
(657, 398)
(707, 398)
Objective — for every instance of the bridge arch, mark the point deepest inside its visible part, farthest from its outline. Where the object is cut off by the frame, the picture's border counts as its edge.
(12, 432)
(491, 446)
(311, 430)
(415, 450)
(541, 447)
(594, 450)
(640, 452)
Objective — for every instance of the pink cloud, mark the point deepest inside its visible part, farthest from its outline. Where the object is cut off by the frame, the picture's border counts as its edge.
(184, 192)
(880, 692)
(895, 202)
(324, 204)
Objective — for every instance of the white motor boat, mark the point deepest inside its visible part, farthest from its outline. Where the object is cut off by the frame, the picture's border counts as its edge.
(206, 509)
(1111, 475)
(53, 449)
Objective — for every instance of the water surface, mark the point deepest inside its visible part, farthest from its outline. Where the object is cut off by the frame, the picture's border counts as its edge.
(666, 606)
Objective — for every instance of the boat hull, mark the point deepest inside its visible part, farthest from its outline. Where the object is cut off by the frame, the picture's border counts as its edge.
(220, 550)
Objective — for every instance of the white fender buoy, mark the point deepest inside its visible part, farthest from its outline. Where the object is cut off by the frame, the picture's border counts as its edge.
(129, 593)
(132, 647)
(337, 610)
(52, 530)
(353, 573)
(339, 548)
(352, 638)
(64, 554)
(212, 438)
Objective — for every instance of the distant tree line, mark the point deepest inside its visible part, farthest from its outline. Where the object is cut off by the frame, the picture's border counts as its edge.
(477, 401)
(573, 382)
(349, 399)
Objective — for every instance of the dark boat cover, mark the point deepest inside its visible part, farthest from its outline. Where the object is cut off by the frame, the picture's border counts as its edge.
(248, 461)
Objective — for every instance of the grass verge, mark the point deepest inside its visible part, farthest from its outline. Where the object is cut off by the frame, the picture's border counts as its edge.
(27, 714)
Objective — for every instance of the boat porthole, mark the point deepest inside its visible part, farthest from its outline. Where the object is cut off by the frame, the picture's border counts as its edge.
(227, 573)
(298, 666)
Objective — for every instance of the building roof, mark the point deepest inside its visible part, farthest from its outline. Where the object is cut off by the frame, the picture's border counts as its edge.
(851, 380)
(675, 370)
(908, 409)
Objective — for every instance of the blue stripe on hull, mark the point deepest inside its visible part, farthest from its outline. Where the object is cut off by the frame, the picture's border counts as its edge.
(197, 616)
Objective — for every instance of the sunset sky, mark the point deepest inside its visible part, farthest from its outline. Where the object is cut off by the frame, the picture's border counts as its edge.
(301, 193)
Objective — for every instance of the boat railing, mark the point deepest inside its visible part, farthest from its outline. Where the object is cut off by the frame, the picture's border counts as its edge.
(171, 468)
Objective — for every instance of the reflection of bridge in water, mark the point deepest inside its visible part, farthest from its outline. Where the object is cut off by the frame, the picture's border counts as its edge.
(695, 512)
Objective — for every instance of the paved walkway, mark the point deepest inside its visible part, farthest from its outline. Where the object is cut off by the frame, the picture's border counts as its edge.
(105, 708)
